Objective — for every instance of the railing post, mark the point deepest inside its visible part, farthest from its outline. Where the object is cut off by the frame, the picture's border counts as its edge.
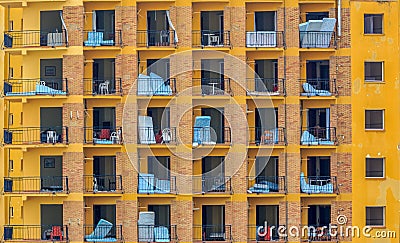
(120, 86)
(66, 135)
(66, 184)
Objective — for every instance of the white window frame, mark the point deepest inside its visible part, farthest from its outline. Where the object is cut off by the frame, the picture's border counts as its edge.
(383, 216)
(382, 69)
(383, 169)
(383, 120)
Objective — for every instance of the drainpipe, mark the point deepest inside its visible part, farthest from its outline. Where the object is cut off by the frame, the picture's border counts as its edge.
(339, 26)
(284, 77)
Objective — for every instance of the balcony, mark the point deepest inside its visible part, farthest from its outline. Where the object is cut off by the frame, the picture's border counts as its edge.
(265, 87)
(212, 86)
(33, 87)
(155, 38)
(36, 233)
(34, 38)
(155, 86)
(150, 135)
(318, 136)
(210, 38)
(105, 136)
(212, 233)
(35, 135)
(318, 184)
(257, 233)
(210, 136)
(312, 233)
(260, 136)
(318, 87)
(105, 232)
(317, 39)
(266, 184)
(212, 184)
(265, 39)
(150, 184)
(48, 184)
(102, 38)
(99, 87)
(103, 183)
(157, 233)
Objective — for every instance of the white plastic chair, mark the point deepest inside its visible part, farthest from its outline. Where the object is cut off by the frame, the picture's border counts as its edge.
(51, 136)
(103, 87)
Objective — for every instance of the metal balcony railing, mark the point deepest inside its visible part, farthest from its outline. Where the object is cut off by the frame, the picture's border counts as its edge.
(157, 233)
(102, 38)
(31, 87)
(208, 136)
(212, 86)
(212, 233)
(261, 136)
(36, 184)
(36, 135)
(259, 233)
(265, 86)
(35, 233)
(112, 86)
(318, 184)
(103, 183)
(266, 184)
(317, 39)
(212, 184)
(149, 184)
(111, 135)
(318, 136)
(314, 233)
(155, 38)
(150, 135)
(148, 86)
(103, 233)
(318, 87)
(265, 39)
(211, 38)
(34, 38)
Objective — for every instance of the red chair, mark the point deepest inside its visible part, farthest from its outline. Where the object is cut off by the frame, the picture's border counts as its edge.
(105, 134)
(56, 233)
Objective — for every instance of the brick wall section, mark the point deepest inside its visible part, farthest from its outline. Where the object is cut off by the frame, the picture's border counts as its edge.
(181, 17)
(75, 125)
(235, 69)
(293, 175)
(343, 77)
(282, 213)
(126, 22)
(293, 123)
(181, 118)
(341, 118)
(345, 39)
(342, 208)
(292, 27)
(126, 68)
(73, 18)
(227, 19)
(238, 26)
(281, 74)
(129, 123)
(239, 167)
(183, 171)
(73, 168)
(73, 213)
(127, 216)
(235, 114)
(181, 69)
(294, 218)
(281, 170)
(127, 168)
(238, 215)
(344, 172)
(292, 75)
(73, 72)
(182, 216)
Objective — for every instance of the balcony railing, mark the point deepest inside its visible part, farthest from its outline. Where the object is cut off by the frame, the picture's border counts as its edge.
(151, 86)
(150, 184)
(31, 87)
(317, 39)
(273, 136)
(318, 184)
(318, 136)
(112, 86)
(34, 38)
(150, 38)
(212, 86)
(312, 233)
(265, 39)
(212, 233)
(157, 233)
(36, 135)
(266, 184)
(259, 233)
(212, 184)
(103, 183)
(103, 233)
(265, 86)
(150, 135)
(102, 38)
(36, 233)
(208, 136)
(45, 184)
(110, 135)
(318, 87)
(211, 38)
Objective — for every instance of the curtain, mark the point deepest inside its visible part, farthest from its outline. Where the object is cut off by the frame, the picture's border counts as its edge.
(94, 21)
(172, 27)
(65, 27)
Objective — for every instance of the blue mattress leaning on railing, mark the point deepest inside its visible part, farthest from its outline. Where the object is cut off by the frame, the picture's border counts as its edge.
(40, 88)
(153, 85)
(309, 90)
(97, 39)
(307, 188)
(308, 139)
(264, 187)
(146, 226)
(161, 234)
(146, 183)
(202, 130)
(99, 234)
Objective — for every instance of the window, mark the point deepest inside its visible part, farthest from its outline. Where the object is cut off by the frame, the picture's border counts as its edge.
(374, 167)
(373, 71)
(374, 119)
(373, 23)
(375, 216)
